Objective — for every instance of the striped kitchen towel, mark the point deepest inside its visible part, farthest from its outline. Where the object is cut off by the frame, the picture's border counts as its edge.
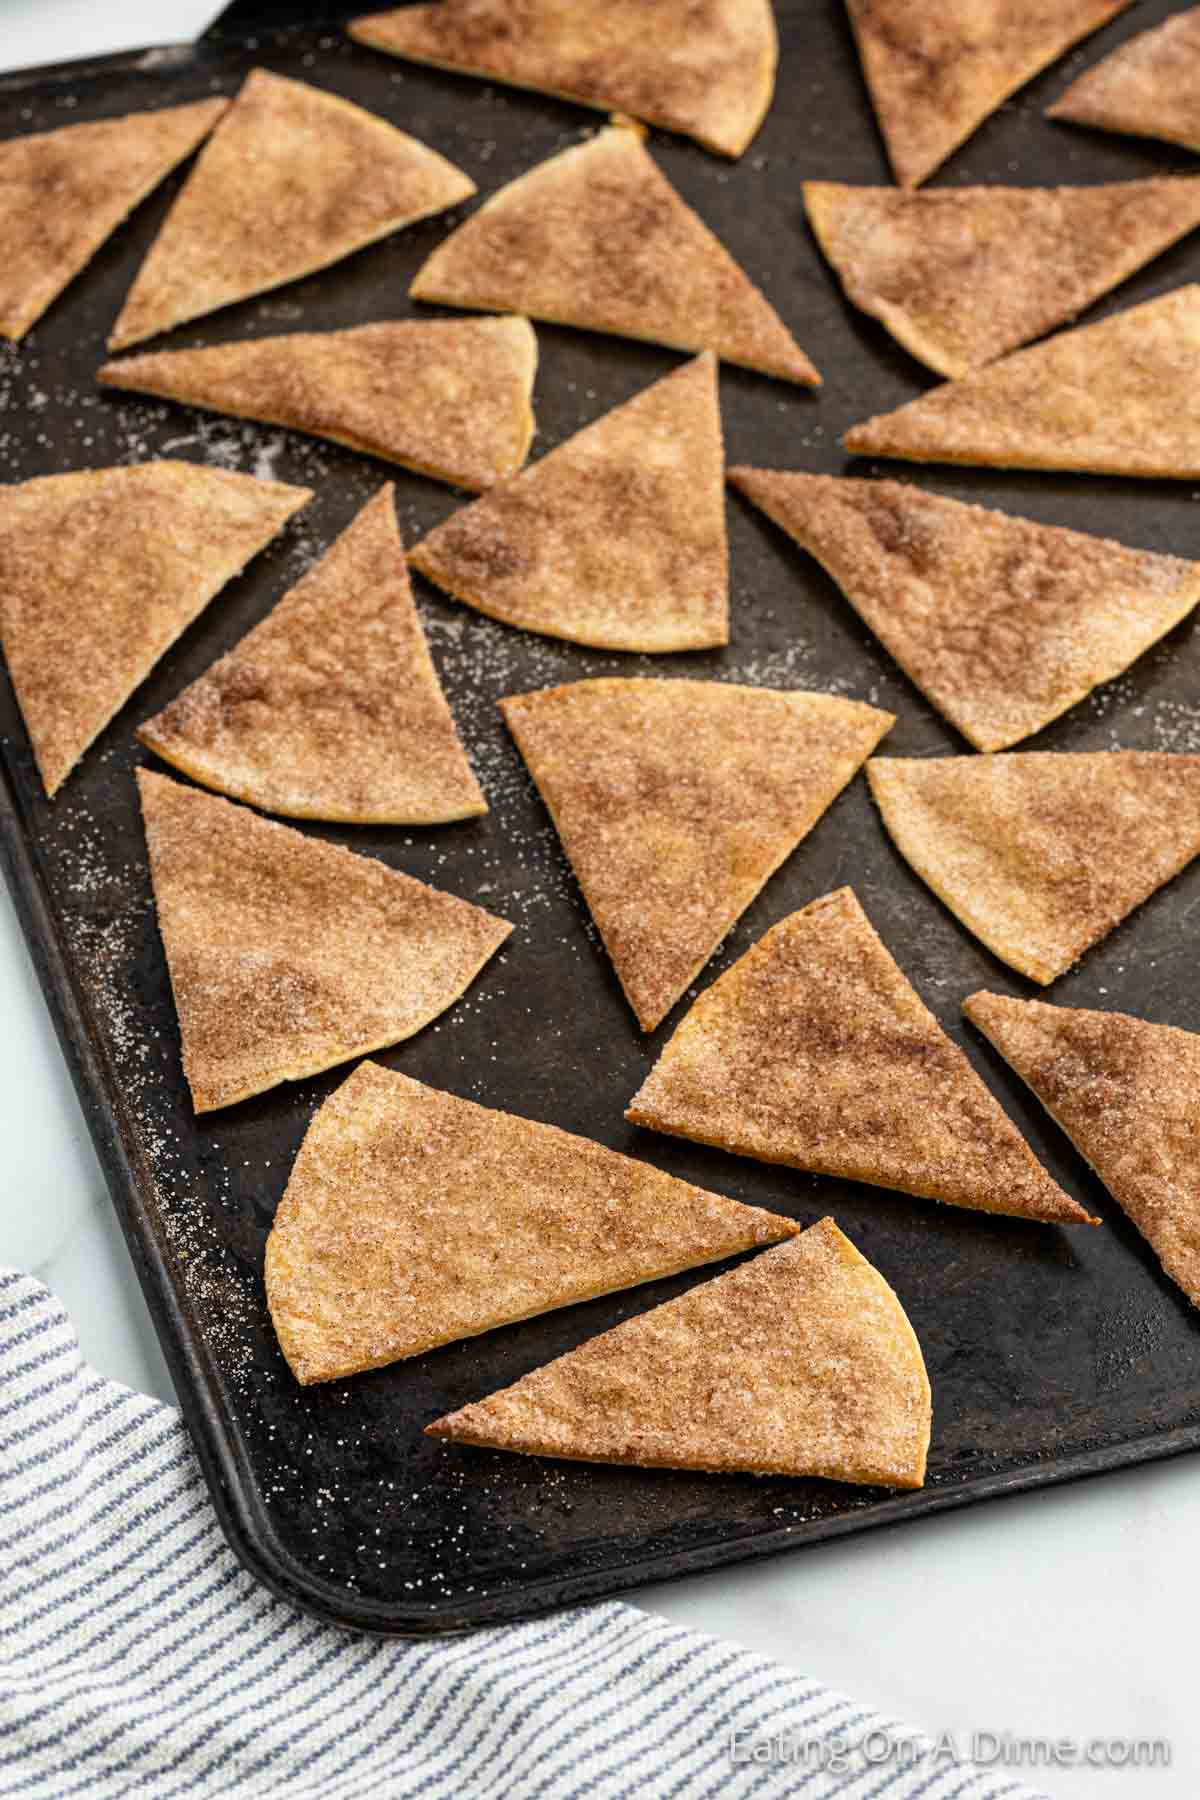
(137, 1657)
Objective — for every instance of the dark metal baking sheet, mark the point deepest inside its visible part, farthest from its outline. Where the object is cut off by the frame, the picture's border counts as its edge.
(1052, 1353)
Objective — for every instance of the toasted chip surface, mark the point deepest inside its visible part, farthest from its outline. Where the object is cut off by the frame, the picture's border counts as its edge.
(450, 398)
(677, 800)
(1002, 622)
(800, 1362)
(1127, 1093)
(62, 193)
(101, 570)
(707, 70)
(330, 708)
(1040, 854)
(598, 238)
(1150, 87)
(1115, 398)
(413, 1218)
(959, 276)
(614, 539)
(814, 1050)
(287, 954)
(936, 70)
(293, 179)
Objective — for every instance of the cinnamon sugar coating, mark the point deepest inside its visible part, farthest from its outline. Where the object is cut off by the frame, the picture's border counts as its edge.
(1127, 1093)
(330, 708)
(64, 192)
(800, 1362)
(704, 67)
(449, 398)
(677, 800)
(1149, 87)
(616, 538)
(598, 238)
(293, 179)
(1040, 854)
(1003, 623)
(413, 1218)
(813, 1050)
(288, 954)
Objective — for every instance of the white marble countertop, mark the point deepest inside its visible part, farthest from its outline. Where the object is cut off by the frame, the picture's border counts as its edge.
(1066, 1613)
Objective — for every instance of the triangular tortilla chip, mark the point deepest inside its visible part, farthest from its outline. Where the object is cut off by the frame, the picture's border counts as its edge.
(1002, 622)
(1116, 398)
(62, 193)
(331, 708)
(598, 238)
(937, 69)
(800, 1362)
(676, 801)
(450, 398)
(413, 1218)
(709, 72)
(1150, 87)
(288, 954)
(1042, 855)
(101, 570)
(1127, 1093)
(293, 179)
(959, 276)
(813, 1050)
(616, 539)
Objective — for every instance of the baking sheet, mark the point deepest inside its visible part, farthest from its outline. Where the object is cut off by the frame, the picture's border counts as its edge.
(1051, 1352)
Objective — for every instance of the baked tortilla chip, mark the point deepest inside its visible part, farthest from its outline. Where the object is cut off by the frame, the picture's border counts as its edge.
(706, 70)
(676, 801)
(450, 398)
(1150, 87)
(101, 570)
(1127, 1094)
(1003, 623)
(1042, 855)
(937, 69)
(63, 193)
(331, 708)
(814, 1051)
(1116, 398)
(293, 179)
(959, 276)
(288, 954)
(615, 539)
(800, 1362)
(596, 237)
(413, 1218)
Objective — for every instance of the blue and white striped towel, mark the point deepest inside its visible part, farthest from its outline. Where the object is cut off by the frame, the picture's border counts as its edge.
(138, 1658)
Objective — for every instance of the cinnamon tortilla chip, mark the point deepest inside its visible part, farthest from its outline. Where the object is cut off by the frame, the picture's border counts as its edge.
(449, 398)
(596, 237)
(937, 68)
(814, 1051)
(1042, 855)
(288, 954)
(331, 708)
(1003, 623)
(707, 70)
(959, 276)
(1116, 398)
(413, 1218)
(100, 572)
(615, 539)
(1150, 87)
(676, 801)
(800, 1362)
(293, 179)
(1127, 1094)
(64, 192)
